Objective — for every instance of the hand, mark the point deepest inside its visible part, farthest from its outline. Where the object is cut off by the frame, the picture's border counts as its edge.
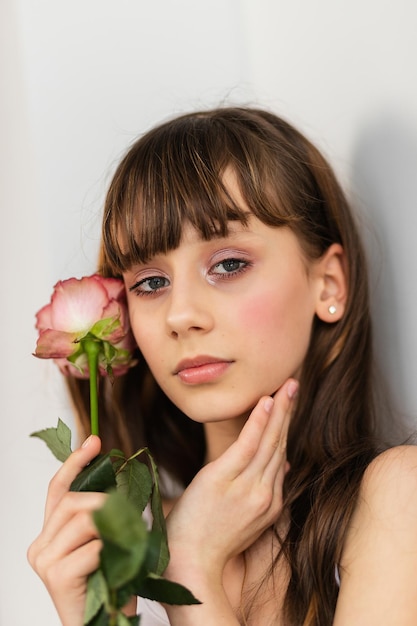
(67, 549)
(234, 499)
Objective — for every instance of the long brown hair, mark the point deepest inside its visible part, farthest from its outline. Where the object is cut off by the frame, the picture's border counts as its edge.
(174, 174)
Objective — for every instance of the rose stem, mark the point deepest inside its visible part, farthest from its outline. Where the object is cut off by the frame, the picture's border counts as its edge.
(92, 349)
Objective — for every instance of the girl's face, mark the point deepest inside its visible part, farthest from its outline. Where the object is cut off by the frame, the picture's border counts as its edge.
(223, 322)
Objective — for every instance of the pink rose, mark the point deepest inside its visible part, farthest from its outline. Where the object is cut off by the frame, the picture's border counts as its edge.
(90, 308)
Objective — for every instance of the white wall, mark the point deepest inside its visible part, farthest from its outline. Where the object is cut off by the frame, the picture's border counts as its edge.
(79, 80)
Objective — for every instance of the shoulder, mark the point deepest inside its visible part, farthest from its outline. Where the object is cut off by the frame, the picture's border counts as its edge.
(394, 461)
(391, 478)
(379, 559)
(388, 494)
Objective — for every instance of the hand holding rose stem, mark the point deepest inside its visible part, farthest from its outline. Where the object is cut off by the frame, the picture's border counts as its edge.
(85, 329)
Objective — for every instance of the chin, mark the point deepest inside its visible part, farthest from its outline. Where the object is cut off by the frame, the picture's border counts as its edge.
(214, 413)
(217, 403)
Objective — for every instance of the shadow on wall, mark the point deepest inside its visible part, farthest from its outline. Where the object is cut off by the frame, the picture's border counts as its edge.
(385, 184)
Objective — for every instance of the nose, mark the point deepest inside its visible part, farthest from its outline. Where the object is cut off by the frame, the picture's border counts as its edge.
(189, 311)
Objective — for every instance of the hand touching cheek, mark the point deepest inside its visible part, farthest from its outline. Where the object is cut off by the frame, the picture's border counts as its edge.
(235, 498)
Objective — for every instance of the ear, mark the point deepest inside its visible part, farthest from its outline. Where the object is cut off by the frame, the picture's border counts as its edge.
(331, 275)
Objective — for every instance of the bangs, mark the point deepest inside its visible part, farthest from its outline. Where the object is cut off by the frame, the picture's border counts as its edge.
(173, 176)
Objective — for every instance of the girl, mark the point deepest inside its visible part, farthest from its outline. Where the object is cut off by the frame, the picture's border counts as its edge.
(248, 299)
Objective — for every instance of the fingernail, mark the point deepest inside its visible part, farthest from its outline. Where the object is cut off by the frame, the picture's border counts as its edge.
(268, 404)
(86, 442)
(292, 389)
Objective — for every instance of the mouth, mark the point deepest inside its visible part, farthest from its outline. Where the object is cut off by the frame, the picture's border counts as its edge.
(201, 369)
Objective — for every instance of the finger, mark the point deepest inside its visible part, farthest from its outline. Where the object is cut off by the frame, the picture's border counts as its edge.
(62, 480)
(271, 452)
(76, 565)
(242, 452)
(71, 505)
(87, 558)
(78, 531)
(69, 526)
(279, 482)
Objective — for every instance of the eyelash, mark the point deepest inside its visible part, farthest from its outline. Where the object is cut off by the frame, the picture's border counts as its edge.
(243, 266)
(137, 290)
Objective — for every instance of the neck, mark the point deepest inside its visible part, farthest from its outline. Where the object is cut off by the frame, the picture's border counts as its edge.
(220, 436)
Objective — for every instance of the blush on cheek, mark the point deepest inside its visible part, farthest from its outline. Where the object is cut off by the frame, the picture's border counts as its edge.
(259, 311)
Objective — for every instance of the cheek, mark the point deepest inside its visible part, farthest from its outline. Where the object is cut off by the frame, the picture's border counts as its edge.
(146, 336)
(153, 352)
(278, 322)
(261, 312)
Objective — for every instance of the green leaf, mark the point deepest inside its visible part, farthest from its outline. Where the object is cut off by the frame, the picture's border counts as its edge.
(115, 452)
(123, 620)
(135, 482)
(97, 595)
(124, 537)
(104, 328)
(159, 523)
(120, 597)
(156, 500)
(101, 619)
(148, 567)
(160, 589)
(109, 352)
(156, 545)
(97, 476)
(57, 439)
(118, 564)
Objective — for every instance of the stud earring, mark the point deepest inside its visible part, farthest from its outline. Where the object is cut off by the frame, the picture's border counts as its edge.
(332, 309)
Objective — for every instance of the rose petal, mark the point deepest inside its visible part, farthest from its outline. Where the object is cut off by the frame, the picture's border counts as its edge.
(116, 370)
(116, 328)
(55, 344)
(114, 286)
(77, 304)
(43, 318)
(128, 343)
(120, 363)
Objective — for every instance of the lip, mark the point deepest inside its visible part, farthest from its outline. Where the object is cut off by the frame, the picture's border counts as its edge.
(201, 369)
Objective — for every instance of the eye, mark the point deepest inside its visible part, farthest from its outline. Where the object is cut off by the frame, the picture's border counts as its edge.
(150, 285)
(229, 267)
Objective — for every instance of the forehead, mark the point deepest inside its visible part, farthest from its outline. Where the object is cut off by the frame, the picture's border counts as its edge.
(235, 231)
(167, 182)
(152, 221)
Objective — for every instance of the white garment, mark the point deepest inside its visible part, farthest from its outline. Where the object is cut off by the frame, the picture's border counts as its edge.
(152, 613)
